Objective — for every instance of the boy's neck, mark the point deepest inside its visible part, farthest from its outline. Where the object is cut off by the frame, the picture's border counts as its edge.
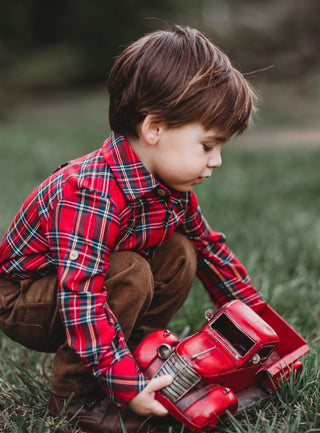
(143, 151)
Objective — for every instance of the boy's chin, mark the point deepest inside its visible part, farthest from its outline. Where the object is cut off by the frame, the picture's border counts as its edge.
(178, 187)
(183, 188)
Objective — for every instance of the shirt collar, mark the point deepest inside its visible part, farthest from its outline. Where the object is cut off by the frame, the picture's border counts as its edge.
(132, 176)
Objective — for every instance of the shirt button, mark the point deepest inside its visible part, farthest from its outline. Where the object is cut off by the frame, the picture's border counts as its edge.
(161, 192)
(73, 255)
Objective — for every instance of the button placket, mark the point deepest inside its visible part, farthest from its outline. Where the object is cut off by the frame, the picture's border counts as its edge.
(161, 192)
(74, 255)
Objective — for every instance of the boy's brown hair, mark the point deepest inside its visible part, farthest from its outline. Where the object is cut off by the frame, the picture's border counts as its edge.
(180, 77)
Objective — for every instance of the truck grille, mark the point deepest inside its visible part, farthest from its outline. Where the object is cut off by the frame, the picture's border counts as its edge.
(184, 377)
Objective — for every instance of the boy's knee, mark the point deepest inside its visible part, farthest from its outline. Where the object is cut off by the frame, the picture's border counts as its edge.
(129, 284)
(182, 247)
(128, 268)
(176, 260)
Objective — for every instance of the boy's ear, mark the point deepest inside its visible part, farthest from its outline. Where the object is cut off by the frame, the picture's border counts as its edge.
(151, 129)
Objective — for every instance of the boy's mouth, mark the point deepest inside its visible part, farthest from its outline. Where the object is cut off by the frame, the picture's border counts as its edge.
(198, 180)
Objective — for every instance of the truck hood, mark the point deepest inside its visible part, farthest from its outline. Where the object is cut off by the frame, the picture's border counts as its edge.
(207, 357)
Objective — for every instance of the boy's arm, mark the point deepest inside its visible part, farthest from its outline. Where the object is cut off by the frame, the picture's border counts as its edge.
(223, 276)
(82, 228)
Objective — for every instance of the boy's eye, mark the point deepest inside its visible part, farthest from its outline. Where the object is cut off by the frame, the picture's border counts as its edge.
(206, 147)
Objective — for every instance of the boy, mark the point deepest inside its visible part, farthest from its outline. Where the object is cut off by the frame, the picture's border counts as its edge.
(105, 250)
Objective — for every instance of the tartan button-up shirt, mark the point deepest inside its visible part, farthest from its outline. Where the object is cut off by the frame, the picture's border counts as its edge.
(108, 201)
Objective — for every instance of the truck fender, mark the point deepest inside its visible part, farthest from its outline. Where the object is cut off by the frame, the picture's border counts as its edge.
(162, 341)
(200, 409)
(207, 411)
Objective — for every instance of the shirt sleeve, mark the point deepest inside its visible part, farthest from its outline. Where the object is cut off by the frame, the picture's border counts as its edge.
(221, 273)
(82, 229)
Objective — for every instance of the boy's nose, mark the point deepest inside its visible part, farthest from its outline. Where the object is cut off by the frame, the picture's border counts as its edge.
(215, 162)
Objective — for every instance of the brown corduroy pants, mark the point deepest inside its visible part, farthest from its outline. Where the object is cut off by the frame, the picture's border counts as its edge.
(143, 295)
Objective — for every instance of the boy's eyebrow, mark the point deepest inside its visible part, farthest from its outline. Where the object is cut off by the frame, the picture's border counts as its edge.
(216, 138)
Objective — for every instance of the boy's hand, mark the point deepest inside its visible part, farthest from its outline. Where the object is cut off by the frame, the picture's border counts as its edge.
(144, 403)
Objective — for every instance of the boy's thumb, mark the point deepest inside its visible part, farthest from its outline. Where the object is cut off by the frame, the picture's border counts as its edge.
(158, 383)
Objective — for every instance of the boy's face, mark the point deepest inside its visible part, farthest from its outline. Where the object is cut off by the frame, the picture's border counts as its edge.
(184, 156)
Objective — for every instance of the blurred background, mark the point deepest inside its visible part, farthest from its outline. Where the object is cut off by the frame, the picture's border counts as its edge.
(54, 63)
(70, 45)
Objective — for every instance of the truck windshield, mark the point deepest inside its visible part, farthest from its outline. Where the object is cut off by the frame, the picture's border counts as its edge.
(240, 342)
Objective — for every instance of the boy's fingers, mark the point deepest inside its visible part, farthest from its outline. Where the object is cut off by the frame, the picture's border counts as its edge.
(158, 409)
(145, 404)
(158, 383)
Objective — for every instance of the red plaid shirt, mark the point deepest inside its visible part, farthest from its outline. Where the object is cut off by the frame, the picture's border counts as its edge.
(108, 201)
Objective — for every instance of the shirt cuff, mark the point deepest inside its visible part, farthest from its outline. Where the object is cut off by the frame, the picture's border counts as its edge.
(124, 381)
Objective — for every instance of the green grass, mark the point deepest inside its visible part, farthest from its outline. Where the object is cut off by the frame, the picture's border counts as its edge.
(264, 198)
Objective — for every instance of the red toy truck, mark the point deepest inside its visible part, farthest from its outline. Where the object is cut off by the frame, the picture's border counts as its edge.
(240, 354)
